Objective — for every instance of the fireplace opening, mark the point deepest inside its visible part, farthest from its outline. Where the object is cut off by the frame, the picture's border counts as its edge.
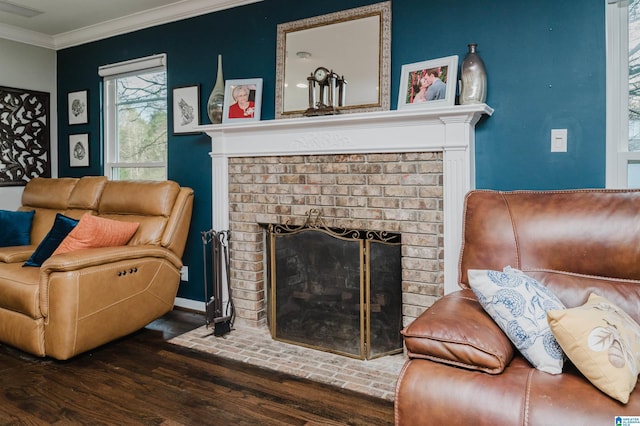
(334, 289)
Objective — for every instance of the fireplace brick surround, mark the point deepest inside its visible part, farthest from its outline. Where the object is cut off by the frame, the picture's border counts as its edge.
(394, 192)
(399, 171)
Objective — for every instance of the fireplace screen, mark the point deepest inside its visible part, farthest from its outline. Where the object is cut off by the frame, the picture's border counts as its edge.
(336, 290)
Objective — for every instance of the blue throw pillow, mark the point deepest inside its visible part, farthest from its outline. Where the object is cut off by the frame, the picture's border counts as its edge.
(62, 225)
(15, 228)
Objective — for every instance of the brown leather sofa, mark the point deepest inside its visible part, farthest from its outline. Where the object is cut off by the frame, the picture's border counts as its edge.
(463, 370)
(79, 300)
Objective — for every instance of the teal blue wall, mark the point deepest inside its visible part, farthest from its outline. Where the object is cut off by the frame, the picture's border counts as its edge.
(545, 61)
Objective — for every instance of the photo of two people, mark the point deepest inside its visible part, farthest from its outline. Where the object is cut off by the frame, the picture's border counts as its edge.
(427, 85)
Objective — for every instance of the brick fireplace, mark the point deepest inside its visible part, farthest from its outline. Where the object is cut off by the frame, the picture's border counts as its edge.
(397, 171)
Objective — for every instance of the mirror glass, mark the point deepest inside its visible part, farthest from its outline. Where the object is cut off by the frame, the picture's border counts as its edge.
(355, 44)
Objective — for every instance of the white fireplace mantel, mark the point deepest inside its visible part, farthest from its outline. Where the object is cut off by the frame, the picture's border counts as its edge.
(450, 130)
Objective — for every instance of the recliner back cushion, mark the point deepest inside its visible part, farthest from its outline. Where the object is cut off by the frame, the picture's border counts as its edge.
(86, 194)
(148, 203)
(48, 193)
(47, 197)
(588, 232)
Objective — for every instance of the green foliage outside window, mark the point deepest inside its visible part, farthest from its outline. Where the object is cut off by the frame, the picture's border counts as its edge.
(141, 102)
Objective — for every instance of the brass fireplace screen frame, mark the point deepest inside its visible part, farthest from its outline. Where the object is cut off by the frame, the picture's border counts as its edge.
(375, 305)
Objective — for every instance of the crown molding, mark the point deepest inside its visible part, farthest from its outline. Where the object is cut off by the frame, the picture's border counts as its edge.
(137, 21)
(22, 35)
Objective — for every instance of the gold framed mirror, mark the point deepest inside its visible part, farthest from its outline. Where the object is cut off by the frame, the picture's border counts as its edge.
(354, 43)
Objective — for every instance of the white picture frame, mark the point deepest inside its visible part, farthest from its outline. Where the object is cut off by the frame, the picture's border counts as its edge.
(79, 150)
(186, 109)
(78, 107)
(232, 112)
(417, 81)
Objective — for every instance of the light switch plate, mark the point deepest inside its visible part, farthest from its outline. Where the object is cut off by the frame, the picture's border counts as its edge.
(558, 140)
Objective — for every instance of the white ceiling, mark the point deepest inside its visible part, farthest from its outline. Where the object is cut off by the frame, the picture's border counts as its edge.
(66, 23)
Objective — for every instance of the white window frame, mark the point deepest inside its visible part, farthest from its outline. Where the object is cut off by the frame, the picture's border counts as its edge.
(617, 69)
(110, 73)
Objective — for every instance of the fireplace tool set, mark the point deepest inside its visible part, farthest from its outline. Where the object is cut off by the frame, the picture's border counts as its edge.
(218, 313)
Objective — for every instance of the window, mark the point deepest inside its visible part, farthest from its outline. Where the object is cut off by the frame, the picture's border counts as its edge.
(623, 93)
(135, 119)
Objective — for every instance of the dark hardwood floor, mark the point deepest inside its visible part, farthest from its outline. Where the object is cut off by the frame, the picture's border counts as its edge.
(143, 380)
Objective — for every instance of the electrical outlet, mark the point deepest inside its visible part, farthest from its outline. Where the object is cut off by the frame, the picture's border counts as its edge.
(184, 273)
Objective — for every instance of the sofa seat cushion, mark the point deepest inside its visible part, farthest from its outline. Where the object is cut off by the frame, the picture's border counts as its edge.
(15, 253)
(437, 394)
(20, 290)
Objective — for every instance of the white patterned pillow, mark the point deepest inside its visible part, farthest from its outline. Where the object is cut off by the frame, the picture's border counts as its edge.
(519, 305)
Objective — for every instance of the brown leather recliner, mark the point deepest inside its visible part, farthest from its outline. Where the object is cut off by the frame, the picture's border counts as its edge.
(462, 369)
(79, 300)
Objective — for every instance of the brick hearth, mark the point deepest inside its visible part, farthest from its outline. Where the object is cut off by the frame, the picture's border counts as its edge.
(395, 192)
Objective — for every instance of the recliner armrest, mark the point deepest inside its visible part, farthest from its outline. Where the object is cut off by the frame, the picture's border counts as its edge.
(457, 331)
(79, 259)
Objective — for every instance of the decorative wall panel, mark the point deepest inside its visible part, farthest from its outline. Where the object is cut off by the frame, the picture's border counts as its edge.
(24, 136)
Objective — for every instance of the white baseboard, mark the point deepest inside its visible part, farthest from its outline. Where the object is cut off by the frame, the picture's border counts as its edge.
(194, 305)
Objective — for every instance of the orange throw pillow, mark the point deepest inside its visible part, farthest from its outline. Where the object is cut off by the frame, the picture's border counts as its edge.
(93, 232)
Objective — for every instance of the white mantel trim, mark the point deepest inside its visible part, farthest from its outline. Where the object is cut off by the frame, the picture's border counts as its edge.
(450, 130)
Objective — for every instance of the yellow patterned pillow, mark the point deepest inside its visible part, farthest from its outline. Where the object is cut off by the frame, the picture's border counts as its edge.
(603, 342)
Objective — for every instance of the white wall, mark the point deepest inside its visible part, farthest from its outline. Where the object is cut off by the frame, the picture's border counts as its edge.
(29, 67)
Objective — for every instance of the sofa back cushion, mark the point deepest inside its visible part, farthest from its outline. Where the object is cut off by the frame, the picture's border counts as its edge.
(575, 242)
(72, 197)
(47, 197)
(149, 203)
(85, 196)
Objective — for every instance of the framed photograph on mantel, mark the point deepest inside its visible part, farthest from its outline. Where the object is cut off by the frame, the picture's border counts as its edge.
(186, 105)
(79, 150)
(78, 107)
(429, 84)
(242, 100)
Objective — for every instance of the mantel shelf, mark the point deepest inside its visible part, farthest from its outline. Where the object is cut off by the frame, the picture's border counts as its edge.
(383, 131)
(472, 111)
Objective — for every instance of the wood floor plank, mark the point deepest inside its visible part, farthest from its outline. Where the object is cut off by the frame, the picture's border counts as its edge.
(143, 380)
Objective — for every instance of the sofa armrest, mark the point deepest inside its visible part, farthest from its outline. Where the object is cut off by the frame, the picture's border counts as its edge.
(93, 296)
(457, 331)
(80, 259)
(102, 264)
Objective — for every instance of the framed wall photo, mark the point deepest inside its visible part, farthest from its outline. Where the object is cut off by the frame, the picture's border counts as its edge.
(79, 150)
(242, 100)
(429, 84)
(186, 107)
(78, 107)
